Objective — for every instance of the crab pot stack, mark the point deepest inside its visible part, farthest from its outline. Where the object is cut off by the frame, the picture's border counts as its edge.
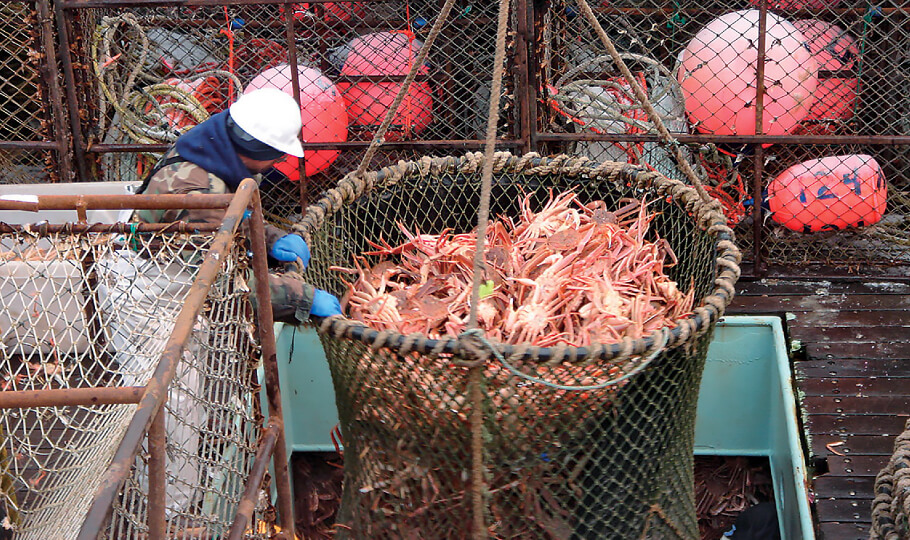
(595, 461)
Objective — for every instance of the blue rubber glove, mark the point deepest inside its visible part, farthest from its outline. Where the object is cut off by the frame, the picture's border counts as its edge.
(289, 248)
(325, 304)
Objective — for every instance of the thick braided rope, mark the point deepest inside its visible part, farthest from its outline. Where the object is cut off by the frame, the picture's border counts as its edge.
(472, 340)
(891, 506)
(706, 216)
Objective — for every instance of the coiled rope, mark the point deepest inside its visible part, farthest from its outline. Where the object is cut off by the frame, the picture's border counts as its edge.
(600, 108)
(891, 506)
(142, 112)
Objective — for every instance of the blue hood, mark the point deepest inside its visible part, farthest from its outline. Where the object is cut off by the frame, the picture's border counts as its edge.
(209, 146)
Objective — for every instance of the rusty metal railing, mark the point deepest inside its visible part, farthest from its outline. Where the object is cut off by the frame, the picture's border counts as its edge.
(147, 422)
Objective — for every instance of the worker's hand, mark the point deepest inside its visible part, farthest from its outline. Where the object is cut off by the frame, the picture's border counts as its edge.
(325, 304)
(289, 248)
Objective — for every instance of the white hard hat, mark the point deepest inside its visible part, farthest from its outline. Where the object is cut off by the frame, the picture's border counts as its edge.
(271, 117)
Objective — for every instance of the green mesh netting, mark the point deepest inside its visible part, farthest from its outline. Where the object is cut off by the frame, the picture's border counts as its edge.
(610, 462)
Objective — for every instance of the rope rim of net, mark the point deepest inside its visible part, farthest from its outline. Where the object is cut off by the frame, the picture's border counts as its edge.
(891, 485)
(706, 216)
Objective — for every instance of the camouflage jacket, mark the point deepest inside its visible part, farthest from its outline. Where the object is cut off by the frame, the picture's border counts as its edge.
(292, 298)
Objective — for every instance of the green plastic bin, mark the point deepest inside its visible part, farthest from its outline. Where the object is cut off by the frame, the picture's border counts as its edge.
(746, 406)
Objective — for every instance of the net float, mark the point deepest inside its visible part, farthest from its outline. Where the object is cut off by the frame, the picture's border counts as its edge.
(384, 54)
(322, 109)
(835, 51)
(831, 193)
(718, 76)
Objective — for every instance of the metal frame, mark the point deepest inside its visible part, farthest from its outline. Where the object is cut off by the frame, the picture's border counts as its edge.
(147, 421)
(69, 139)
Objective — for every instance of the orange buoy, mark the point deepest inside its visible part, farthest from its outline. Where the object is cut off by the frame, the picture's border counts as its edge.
(831, 193)
(322, 111)
(384, 54)
(718, 76)
(834, 50)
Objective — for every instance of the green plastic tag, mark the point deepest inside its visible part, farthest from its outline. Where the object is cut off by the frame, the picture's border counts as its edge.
(486, 289)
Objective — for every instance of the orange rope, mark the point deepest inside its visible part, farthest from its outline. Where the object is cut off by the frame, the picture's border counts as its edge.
(730, 193)
(230, 35)
(408, 112)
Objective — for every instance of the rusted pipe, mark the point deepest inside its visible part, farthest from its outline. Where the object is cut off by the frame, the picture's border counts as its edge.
(157, 476)
(437, 143)
(28, 145)
(523, 38)
(444, 45)
(759, 150)
(247, 506)
(117, 202)
(52, 80)
(291, 44)
(157, 389)
(69, 78)
(81, 4)
(533, 75)
(390, 78)
(885, 140)
(266, 329)
(75, 228)
(81, 211)
(77, 4)
(63, 397)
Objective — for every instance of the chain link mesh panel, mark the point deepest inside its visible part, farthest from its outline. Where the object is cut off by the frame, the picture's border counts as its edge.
(352, 58)
(25, 112)
(93, 310)
(21, 166)
(830, 69)
(19, 110)
(613, 462)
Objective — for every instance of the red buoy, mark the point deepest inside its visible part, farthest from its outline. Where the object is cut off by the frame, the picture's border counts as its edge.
(322, 111)
(385, 54)
(831, 193)
(719, 75)
(835, 51)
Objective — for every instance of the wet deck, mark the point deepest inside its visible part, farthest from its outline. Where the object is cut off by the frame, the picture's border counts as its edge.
(852, 369)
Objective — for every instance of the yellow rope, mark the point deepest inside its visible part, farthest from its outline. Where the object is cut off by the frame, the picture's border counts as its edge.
(142, 117)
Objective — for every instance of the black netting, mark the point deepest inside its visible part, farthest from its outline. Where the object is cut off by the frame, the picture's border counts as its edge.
(560, 462)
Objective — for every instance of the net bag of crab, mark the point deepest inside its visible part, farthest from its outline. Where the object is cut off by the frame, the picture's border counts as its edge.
(569, 409)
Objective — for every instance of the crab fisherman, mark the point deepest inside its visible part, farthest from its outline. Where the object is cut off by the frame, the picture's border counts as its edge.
(214, 157)
(141, 295)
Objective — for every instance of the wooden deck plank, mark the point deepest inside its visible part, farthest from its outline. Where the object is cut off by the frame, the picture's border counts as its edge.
(877, 445)
(850, 334)
(844, 510)
(855, 424)
(856, 386)
(853, 367)
(832, 302)
(844, 531)
(857, 350)
(870, 321)
(882, 404)
(842, 487)
(852, 374)
(856, 466)
(784, 287)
